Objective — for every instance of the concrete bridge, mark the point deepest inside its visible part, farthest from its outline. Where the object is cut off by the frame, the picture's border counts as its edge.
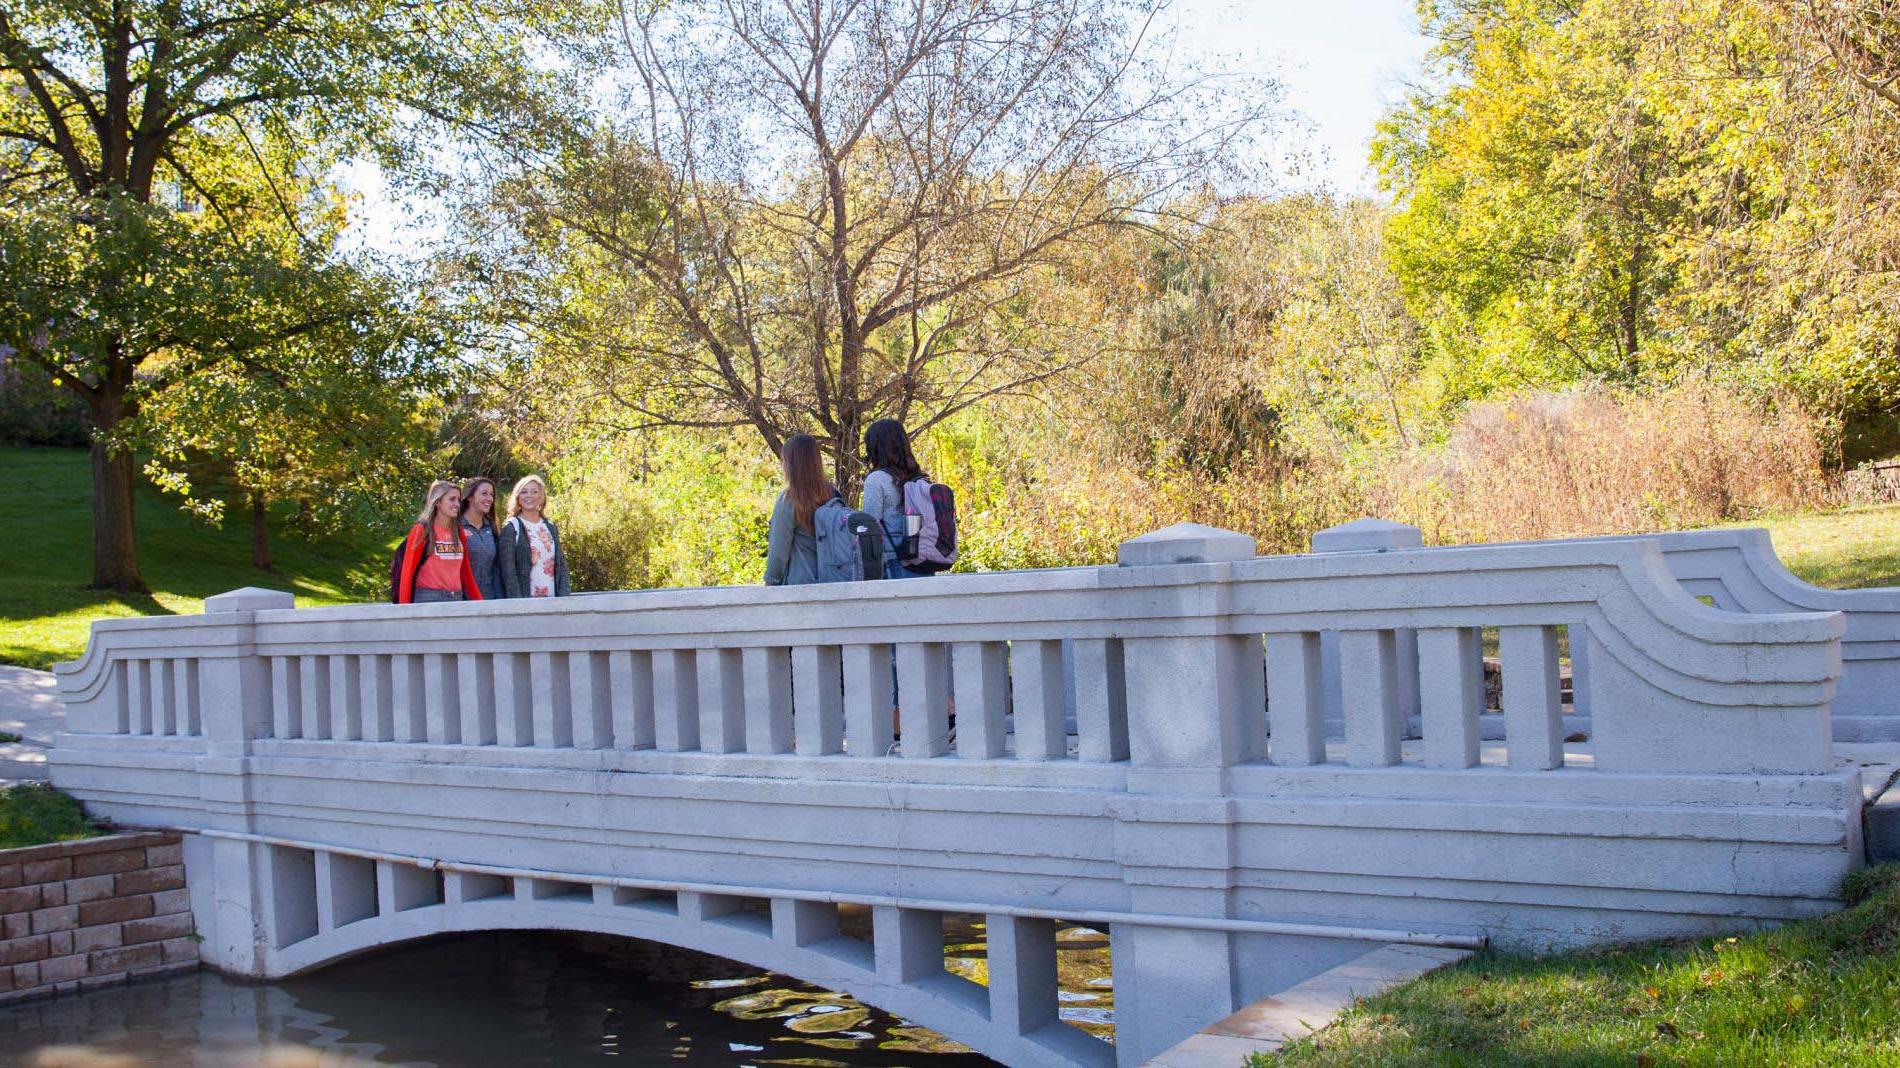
(1141, 748)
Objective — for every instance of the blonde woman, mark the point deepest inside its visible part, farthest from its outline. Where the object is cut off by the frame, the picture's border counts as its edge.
(530, 547)
(434, 558)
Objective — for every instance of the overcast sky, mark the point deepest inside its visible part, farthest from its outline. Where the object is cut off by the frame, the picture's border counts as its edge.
(1342, 61)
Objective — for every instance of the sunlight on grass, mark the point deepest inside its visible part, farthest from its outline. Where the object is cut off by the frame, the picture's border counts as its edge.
(1819, 992)
(1849, 549)
(46, 610)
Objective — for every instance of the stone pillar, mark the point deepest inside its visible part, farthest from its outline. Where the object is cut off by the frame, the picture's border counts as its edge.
(1196, 706)
(235, 695)
(1370, 536)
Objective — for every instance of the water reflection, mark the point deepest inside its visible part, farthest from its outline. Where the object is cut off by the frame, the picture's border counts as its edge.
(518, 1000)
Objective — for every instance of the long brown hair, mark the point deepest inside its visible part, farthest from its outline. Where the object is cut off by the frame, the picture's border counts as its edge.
(805, 479)
(468, 492)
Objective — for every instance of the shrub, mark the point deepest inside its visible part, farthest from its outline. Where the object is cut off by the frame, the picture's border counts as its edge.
(1598, 461)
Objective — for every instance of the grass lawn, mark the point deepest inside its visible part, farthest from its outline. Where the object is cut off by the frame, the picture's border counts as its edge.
(1819, 992)
(1847, 549)
(45, 609)
(34, 814)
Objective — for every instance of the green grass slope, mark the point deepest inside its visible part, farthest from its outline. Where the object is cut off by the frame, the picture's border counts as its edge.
(1848, 549)
(45, 609)
(1821, 992)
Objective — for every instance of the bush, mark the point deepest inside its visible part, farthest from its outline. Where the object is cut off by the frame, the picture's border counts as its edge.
(1598, 461)
(35, 814)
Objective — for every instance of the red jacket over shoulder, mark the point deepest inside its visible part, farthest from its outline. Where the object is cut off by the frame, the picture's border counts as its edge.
(414, 548)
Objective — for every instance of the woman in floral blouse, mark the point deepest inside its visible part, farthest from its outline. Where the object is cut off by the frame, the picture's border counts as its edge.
(532, 564)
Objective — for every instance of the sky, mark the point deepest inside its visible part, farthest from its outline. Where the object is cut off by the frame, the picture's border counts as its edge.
(1343, 62)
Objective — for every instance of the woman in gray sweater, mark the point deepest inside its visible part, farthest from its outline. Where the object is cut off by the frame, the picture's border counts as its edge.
(791, 545)
(887, 450)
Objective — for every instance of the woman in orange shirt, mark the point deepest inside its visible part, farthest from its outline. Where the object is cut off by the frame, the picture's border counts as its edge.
(434, 559)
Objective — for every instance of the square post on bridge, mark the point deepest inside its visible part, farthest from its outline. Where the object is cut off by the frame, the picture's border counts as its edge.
(1196, 701)
(234, 683)
(235, 696)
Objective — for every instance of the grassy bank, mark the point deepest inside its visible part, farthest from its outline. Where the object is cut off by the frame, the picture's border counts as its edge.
(1820, 992)
(1848, 549)
(34, 814)
(45, 609)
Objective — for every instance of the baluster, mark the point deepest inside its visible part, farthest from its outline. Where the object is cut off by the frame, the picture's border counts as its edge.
(768, 700)
(798, 923)
(119, 677)
(867, 700)
(675, 700)
(982, 689)
(286, 689)
(553, 705)
(442, 698)
(406, 698)
(1533, 708)
(139, 673)
(1449, 703)
(190, 717)
(632, 675)
(1296, 699)
(923, 682)
(475, 681)
(908, 943)
(817, 700)
(1369, 694)
(1036, 681)
(1101, 700)
(1022, 970)
(514, 701)
(346, 697)
(346, 890)
(587, 689)
(721, 701)
(316, 697)
(164, 697)
(379, 706)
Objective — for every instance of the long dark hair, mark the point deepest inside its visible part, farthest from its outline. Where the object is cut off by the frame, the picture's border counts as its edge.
(468, 493)
(805, 479)
(887, 449)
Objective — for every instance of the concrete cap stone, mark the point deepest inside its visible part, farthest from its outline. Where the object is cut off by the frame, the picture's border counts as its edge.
(1186, 543)
(249, 599)
(1368, 535)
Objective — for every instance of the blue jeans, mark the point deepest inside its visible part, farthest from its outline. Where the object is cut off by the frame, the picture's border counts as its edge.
(895, 570)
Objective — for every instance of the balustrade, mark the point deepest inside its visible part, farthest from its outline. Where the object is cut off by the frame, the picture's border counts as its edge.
(1146, 743)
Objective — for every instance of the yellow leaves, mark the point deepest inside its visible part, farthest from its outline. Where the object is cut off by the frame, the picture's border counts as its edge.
(1795, 1004)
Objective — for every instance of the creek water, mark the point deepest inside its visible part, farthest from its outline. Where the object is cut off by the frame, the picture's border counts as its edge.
(517, 1000)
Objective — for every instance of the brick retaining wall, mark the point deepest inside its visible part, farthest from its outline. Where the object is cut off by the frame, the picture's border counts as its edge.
(92, 913)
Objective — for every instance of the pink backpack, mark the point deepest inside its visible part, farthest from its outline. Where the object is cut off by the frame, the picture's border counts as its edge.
(934, 547)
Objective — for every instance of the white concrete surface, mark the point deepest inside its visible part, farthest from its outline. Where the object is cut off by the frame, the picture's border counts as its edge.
(1272, 1022)
(29, 707)
(724, 746)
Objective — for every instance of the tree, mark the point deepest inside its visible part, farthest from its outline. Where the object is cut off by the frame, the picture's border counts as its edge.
(820, 213)
(136, 137)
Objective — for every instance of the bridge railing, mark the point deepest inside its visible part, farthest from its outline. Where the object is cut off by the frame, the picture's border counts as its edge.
(1197, 665)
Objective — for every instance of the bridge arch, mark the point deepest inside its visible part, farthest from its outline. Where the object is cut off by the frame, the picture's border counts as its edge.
(318, 907)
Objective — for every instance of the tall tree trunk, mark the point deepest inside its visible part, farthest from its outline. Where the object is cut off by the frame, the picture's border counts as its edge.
(260, 533)
(115, 549)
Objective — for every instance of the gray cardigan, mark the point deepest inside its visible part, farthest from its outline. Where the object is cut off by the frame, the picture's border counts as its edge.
(516, 561)
(791, 551)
